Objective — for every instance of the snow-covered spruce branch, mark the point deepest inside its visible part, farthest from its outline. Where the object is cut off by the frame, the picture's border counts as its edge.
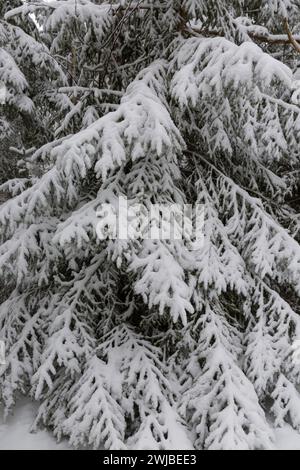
(258, 34)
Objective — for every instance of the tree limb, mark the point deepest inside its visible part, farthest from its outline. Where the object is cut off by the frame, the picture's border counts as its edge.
(292, 40)
(273, 39)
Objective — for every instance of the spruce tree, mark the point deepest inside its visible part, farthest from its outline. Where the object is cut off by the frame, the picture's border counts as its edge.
(25, 63)
(143, 343)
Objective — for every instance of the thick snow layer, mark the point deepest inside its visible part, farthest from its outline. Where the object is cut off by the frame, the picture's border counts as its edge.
(15, 433)
(287, 439)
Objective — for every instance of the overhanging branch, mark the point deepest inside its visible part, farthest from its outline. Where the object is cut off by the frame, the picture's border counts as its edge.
(272, 39)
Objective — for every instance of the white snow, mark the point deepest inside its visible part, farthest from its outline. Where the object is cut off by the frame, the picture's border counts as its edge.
(15, 433)
(287, 438)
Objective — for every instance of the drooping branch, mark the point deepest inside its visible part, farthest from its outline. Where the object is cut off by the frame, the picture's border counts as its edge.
(272, 39)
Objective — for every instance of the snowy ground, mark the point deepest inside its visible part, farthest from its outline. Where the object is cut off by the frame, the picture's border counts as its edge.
(14, 434)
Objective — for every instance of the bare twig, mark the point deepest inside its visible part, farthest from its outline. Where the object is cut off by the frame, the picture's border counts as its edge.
(292, 40)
